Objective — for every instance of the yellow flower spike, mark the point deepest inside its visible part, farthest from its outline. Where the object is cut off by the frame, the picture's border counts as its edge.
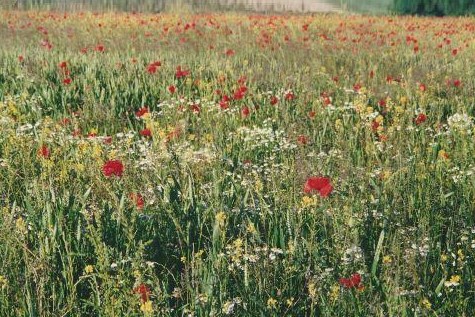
(426, 304)
(335, 292)
(147, 307)
(220, 218)
(312, 290)
(3, 282)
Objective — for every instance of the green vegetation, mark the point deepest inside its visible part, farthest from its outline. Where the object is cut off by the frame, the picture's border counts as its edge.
(233, 164)
(435, 7)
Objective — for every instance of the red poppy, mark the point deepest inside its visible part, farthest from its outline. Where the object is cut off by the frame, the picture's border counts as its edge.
(289, 96)
(113, 167)
(20, 58)
(108, 140)
(321, 185)
(63, 64)
(146, 133)
(100, 48)
(195, 108)
(455, 52)
(142, 111)
(356, 87)
(245, 112)
(181, 72)
(240, 93)
(353, 282)
(422, 87)
(230, 52)
(375, 125)
(274, 100)
(153, 67)
(421, 118)
(143, 291)
(302, 139)
(44, 151)
(172, 89)
(224, 103)
(137, 198)
(67, 81)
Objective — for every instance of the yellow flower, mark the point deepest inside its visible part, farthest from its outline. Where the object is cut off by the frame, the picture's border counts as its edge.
(426, 303)
(290, 301)
(146, 307)
(89, 269)
(220, 218)
(271, 303)
(387, 259)
(312, 290)
(3, 281)
(309, 201)
(444, 258)
(20, 225)
(335, 292)
(454, 281)
(339, 125)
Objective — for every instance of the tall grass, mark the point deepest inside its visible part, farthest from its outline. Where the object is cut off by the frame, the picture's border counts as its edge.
(220, 164)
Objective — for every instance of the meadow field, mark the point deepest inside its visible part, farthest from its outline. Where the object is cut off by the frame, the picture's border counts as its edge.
(182, 164)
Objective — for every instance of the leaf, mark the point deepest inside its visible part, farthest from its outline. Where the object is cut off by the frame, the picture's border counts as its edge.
(377, 254)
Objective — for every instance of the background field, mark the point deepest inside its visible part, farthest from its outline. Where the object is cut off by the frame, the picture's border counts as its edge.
(163, 164)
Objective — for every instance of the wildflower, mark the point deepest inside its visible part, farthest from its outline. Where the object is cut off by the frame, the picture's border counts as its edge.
(44, 151)
(312, 290)
(100, 48)
(142, 112)
(230, 52)
(302, 139)
(320, 184)
(153, 67)
(181, 72)
(146, 133)
(143, 291)
(3, 282)
(421, 118)
(353, 282)
(426, 304)
(271, 303)
(146, 307)
(220, 218)
(422, 87)
(113, 167)
(240, 93)
(387, 259)
(89, 269)
(454, 281)
(171, 89)
(245, 112)
(455, 52)
(274, 100)
(137, 199)
(67, 81)
(20, 58)
(289, 96)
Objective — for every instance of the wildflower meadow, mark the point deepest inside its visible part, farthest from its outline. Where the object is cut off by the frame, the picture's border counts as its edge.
(236, 164)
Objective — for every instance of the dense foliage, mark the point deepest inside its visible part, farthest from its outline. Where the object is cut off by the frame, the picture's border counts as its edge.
(435, 7)
(233, 164)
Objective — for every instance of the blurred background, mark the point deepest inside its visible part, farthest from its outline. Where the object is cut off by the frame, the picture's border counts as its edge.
(421, 7)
